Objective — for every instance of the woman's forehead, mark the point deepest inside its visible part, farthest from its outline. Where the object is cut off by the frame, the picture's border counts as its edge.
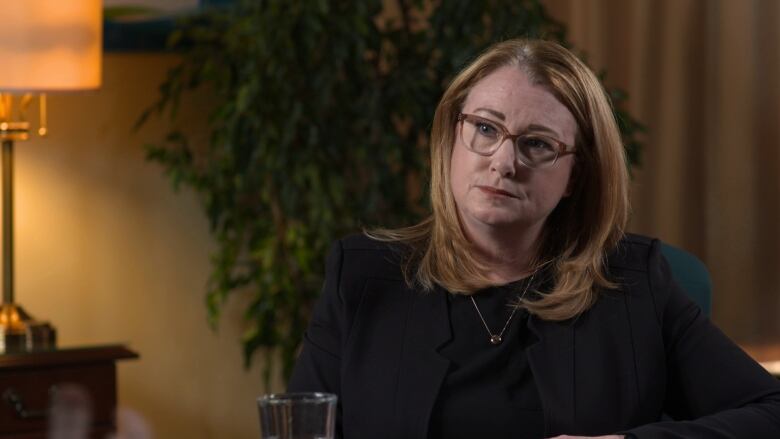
(507, 95)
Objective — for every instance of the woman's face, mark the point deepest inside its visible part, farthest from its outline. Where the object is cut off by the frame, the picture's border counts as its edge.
(498, 192)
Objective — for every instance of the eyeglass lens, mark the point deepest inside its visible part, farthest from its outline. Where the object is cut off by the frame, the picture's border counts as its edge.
(484, 138)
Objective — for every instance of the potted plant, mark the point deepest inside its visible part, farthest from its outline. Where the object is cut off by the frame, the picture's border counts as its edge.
(319, 127)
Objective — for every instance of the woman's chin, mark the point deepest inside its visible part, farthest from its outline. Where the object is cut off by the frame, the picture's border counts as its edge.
(503, 220)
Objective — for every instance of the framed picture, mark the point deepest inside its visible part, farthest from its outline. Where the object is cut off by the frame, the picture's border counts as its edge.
(144, 25)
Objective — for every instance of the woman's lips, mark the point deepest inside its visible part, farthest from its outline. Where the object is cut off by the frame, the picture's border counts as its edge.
(496, 191)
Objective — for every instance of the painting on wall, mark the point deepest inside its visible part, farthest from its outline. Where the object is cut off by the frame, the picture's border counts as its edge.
(144, 25)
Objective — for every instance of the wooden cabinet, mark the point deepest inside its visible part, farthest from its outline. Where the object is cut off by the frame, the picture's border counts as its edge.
(28, 379)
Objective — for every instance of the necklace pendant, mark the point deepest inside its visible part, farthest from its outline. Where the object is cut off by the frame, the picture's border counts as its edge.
(495, 339)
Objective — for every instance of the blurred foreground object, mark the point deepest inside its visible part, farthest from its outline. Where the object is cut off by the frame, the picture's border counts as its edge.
(70, 413)
(131, 425)
(70, 417)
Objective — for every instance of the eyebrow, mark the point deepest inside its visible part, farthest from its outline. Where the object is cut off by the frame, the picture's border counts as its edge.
(498, 114)
(537, 127)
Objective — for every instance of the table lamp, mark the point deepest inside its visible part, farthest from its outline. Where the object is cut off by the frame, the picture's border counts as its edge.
(46, 46)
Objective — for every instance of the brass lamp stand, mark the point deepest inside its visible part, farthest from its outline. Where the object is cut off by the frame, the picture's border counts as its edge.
(52, 46)
(18, 331)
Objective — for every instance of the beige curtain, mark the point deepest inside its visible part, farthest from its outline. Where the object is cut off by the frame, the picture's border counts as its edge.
(704, 77)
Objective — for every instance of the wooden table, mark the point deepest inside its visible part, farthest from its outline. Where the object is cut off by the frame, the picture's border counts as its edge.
(767, 354)
(28, 379)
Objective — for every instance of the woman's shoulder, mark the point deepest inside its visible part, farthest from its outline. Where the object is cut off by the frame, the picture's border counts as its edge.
(364, 256)
(633, 252)
(361, 243)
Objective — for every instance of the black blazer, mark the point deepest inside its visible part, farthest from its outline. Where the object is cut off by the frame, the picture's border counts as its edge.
(640, 352)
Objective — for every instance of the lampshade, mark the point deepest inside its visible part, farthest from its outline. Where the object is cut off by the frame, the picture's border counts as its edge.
(50, 45)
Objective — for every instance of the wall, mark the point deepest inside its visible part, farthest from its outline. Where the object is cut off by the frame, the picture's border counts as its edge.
(108, 253)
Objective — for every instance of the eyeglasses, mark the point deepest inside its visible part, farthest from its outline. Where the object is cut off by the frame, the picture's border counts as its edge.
(484, 137)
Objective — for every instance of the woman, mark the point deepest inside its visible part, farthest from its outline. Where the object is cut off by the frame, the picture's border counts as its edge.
(520, 308)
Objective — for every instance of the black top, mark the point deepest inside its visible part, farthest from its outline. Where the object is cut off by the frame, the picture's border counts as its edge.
(489, 390)
(642, 350)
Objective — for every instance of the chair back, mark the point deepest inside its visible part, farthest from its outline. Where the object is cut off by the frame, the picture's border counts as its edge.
(691, 274)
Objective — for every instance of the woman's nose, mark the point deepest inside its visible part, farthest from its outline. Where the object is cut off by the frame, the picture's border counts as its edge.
(504, 160)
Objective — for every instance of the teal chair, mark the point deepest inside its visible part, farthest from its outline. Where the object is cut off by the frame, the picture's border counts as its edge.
(691, 274)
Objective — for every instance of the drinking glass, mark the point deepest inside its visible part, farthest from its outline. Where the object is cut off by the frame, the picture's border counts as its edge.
(297, 415)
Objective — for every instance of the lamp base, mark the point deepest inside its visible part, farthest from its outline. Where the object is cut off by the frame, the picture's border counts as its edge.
(20, 333)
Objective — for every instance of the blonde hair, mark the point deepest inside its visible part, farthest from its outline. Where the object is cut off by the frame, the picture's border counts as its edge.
(579, 231)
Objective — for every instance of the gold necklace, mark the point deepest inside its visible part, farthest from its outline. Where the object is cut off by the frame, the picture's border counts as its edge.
(496, 339)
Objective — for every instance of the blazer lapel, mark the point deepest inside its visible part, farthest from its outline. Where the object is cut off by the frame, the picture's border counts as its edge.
(422, 368)
(552, 363)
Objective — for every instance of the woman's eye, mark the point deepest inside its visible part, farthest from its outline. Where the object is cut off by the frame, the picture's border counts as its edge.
(486, 129)
(537, 143)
